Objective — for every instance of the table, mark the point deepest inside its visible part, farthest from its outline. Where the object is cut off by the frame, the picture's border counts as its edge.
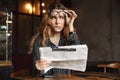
(72, 77)
(111, 65)
(80, 76)
(6, 69)
(5, 63)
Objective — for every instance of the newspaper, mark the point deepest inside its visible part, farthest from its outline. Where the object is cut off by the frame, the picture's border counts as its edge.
(66, 57)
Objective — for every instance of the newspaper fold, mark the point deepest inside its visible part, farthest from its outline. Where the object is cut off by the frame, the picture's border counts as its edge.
(66, 57)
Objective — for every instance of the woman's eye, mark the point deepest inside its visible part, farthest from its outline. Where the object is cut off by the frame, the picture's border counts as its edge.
(61, 17)
(52, 17)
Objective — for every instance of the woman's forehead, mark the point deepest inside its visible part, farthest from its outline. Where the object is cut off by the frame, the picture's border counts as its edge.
(57, 11)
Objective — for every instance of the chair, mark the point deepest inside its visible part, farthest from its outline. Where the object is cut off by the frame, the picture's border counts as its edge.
(114, 66)
(111, 65)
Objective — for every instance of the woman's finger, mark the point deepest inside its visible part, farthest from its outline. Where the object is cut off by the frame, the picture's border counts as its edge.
(71, 13)
(42, 64)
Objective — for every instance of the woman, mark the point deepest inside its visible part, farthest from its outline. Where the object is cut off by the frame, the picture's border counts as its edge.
(56, 29)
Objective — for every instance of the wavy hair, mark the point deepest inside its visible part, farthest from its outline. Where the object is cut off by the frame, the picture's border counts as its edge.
(45, 30)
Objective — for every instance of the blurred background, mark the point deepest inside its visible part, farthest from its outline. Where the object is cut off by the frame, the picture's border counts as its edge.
(97, 25)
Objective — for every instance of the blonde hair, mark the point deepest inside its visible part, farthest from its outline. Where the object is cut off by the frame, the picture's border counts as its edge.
(45, 30)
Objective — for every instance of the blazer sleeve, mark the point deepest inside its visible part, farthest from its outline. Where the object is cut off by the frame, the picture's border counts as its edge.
(36, 56)
(73, 39)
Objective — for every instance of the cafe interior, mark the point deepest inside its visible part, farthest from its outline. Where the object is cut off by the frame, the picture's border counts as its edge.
(97, 25)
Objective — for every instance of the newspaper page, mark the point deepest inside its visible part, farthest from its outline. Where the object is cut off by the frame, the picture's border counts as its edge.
(66, 57)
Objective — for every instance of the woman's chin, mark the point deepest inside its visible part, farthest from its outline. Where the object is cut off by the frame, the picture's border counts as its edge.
(58, 31)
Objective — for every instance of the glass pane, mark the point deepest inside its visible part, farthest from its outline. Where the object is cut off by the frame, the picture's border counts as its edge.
(25, 6)
(36, 7)
(5, 36)
(29, 6)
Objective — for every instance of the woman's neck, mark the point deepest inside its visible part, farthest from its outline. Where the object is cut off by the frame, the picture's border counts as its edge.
(55, 38)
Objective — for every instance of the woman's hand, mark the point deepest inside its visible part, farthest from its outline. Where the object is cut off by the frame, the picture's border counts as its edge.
(70, 18)
(42, 64)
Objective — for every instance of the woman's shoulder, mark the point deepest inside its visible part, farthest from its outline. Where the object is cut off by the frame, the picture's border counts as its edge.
(39, 38)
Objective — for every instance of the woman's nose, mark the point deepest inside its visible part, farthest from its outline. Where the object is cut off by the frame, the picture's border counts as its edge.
(57, 20)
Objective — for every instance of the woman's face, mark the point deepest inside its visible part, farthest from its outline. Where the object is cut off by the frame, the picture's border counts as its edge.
(57, 20)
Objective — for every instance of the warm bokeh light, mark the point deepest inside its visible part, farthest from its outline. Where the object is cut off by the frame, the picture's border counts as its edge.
(44, 11)
(43, 4)
(33, 9)
(28, 7)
